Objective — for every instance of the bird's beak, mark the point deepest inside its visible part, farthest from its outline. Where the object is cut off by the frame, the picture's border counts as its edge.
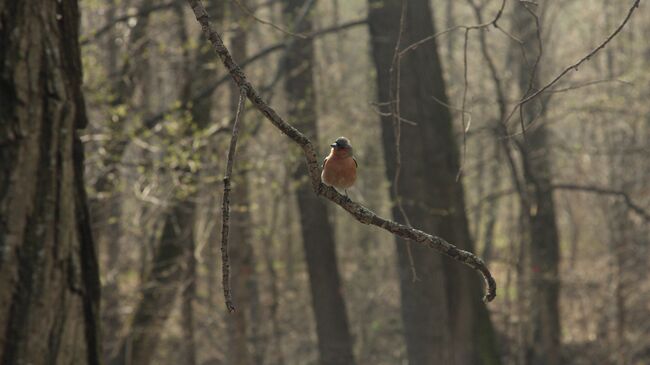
(334, 145)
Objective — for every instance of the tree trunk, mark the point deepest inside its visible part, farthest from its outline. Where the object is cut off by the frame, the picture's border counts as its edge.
(160, 290)
(543, 234)
(334, 339)
(49, 302)
(445, 320)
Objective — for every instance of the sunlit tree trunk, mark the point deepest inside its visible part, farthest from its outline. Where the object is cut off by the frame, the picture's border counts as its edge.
(334, 339)
(444, 318)
(49, 302)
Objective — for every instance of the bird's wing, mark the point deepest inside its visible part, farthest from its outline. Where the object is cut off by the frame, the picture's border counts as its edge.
(356, 164)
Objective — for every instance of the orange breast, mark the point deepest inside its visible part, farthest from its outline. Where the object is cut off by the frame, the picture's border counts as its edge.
(340, 173)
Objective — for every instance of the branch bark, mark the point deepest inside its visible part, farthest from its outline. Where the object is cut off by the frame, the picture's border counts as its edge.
(225, 207)
(358, 211)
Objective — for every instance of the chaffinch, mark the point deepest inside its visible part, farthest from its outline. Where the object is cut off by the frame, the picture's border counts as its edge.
(340, 167)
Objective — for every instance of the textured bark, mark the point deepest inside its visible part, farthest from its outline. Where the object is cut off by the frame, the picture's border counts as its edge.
(444, 318)
(49, 302)
(334, 339)
(543, 233)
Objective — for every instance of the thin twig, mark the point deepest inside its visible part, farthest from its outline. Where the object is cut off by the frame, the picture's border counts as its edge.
(607, 191)
(358, 211)
(396, 67)
(225, 207)
(493, 22)
(462, 107)
(94, 35)
(643, 213)
(574, 66)
(209, 90)
(589, 83)
(250, 13)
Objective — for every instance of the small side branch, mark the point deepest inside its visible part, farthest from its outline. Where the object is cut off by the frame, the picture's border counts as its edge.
(574, 67)
(359, 212)
(225, 205)
(607, 191)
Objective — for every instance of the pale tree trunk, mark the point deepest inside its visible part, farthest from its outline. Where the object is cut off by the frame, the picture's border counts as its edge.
(49, 302)
(106, 205)
(334, 339)
(444, 318)
(543, 232)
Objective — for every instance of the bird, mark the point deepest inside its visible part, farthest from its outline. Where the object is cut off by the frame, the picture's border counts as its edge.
(340, 166)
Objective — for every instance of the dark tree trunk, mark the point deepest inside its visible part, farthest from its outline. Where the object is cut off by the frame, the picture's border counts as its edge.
(334, 339)
(49, 302)
(543, 232)
(444, 318)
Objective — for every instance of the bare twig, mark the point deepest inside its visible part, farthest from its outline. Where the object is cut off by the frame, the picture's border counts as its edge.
(643, 213)
(493, 22)
(208, 91)
(574, 66)
(589, 83)
(396, 67)
(225, 207)
(532, 81)
(462, 107)
(607, 191)
(143, 12)
(250, 13)
(359, 212)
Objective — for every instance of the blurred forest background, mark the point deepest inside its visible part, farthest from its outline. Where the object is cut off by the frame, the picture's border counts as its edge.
(560, 213)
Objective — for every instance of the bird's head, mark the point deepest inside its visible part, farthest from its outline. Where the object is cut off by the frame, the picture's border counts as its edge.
(341, 146)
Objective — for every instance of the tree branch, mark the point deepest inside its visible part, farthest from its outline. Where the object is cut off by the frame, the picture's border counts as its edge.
(573, 67)
(206, 92)
(359, 212)
(606, 191)
(225, 205)
(574, 187)
(141, 13)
